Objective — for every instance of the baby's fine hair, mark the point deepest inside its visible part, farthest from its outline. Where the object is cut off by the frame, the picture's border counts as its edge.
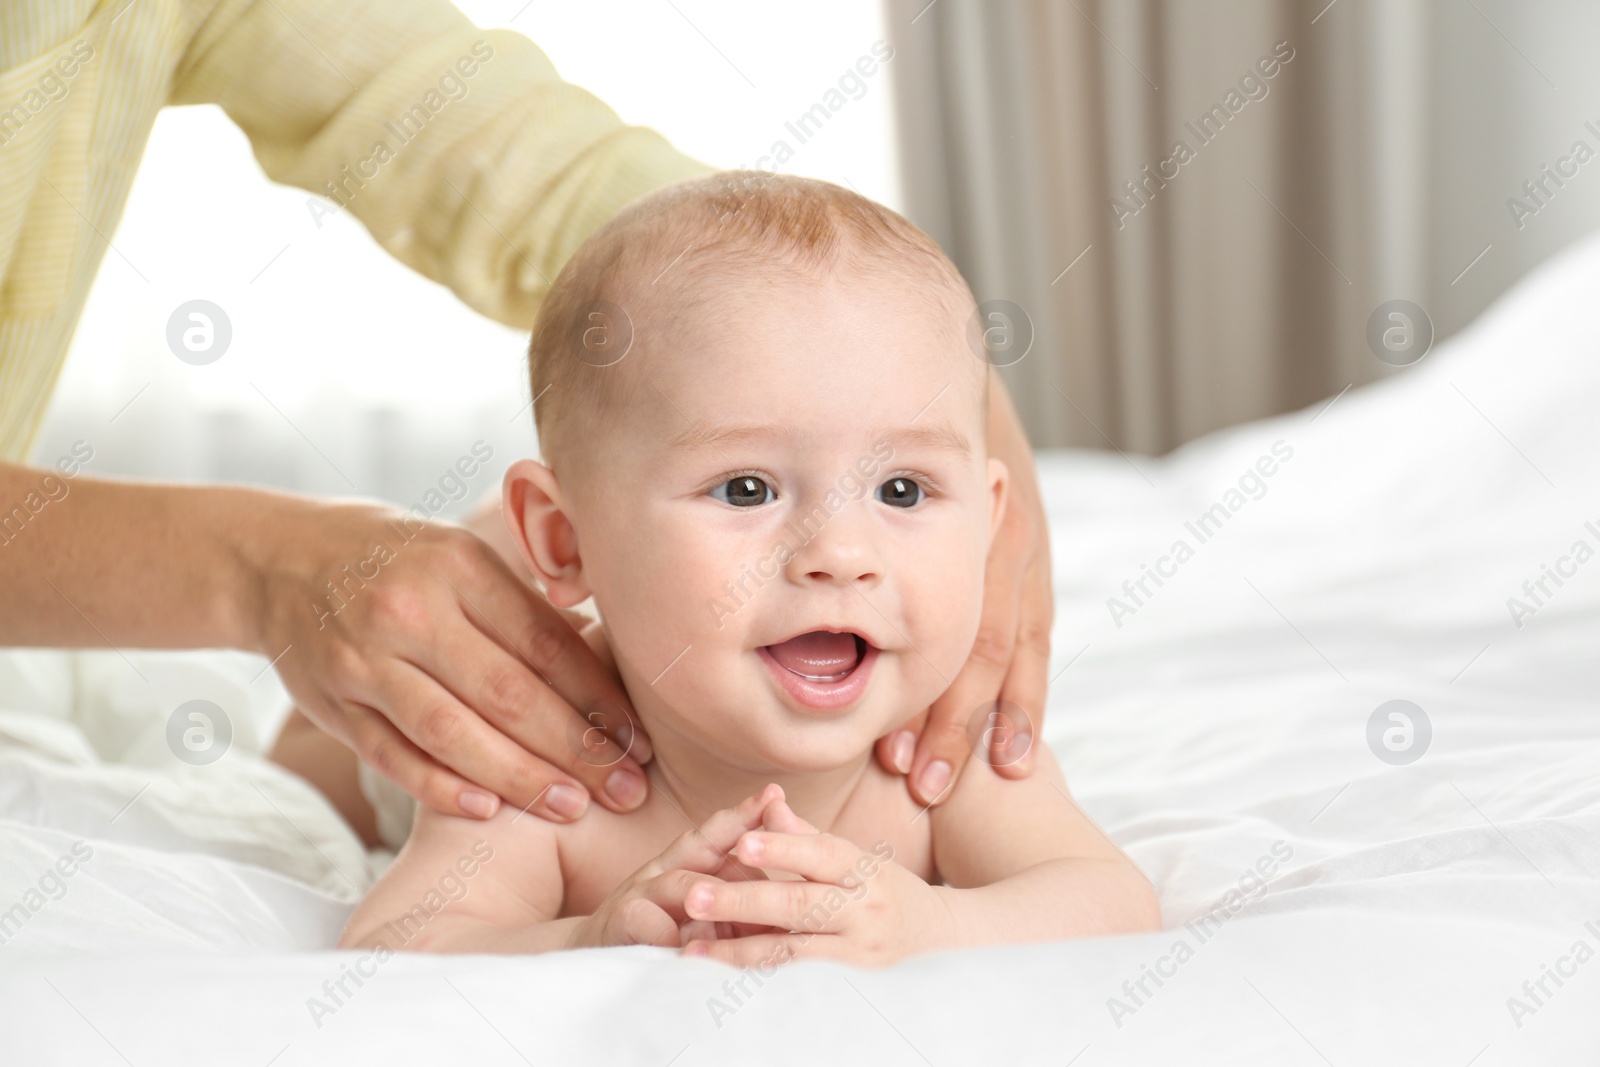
(651, 263)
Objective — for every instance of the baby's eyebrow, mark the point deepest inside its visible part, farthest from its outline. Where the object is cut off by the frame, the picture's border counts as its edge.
(939, 435)
(702, 437)
(935, 436)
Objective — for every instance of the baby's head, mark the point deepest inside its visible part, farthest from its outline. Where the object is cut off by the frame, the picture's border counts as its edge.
(762, 425)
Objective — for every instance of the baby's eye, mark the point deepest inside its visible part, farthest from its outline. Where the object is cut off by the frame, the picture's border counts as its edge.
(900, 493)
(744, 492)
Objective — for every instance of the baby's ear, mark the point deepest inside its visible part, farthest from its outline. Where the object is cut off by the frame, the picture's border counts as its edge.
(999, 485)
(536, 513)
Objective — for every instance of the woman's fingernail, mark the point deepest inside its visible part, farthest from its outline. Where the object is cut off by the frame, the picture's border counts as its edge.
(1018, 747)
(567, 801)
(641, 749)
(935, 776)
(479, 805)
(903, 747)
(626, 786)
(633, 741)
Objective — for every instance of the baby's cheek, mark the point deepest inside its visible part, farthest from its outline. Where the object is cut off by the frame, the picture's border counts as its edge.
(675, 589)
(944, 604)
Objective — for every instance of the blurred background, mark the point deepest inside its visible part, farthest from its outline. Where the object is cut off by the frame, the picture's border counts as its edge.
(1196, 241)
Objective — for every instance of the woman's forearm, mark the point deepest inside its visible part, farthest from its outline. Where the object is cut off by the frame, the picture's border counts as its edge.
(88, 562)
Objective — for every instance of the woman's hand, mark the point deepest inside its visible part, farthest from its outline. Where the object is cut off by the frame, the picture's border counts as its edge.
(647, 908)
(852, 904)
(416, 645)
(995, 706)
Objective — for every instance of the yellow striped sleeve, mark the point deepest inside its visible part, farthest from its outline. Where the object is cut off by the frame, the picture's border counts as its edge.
(461, 150)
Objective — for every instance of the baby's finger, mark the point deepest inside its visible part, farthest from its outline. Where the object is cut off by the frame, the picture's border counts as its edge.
(640, 922)
(780, 818)
(706, 847)
(734, 871)
(728, 931)
(767, 951)
(807, 907)
(667, 891)
(816, 857)
(698, 930)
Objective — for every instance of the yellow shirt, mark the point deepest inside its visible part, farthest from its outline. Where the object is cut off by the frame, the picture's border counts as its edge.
(460, 149)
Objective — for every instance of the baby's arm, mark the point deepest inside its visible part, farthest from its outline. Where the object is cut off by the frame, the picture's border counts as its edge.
(468, 885)
(1022, 862)
(510, 901)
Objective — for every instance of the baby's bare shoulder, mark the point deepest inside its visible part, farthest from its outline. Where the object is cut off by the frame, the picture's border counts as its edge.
(602, 849)
(451, 871)
(993, 827)
(519, 869)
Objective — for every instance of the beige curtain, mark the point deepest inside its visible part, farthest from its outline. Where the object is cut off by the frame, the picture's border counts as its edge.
(1333, 157)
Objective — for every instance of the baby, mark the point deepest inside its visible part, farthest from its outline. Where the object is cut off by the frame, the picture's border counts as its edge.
(762, 422)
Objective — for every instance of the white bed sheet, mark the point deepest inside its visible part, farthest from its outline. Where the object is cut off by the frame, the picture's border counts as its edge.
(1225, 717)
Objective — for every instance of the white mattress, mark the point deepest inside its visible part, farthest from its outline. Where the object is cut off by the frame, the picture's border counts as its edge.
(1226, 717)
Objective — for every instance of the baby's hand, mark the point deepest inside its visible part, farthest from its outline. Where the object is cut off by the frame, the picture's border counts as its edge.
(647, 908)
(852, 904)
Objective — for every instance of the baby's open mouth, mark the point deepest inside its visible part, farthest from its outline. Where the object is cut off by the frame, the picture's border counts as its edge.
(820, 656)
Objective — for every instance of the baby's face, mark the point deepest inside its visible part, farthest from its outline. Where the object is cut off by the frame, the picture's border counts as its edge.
(785, 528)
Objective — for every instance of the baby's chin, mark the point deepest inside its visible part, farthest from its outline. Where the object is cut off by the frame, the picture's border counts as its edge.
(807, 750)
(764, 737)
(732, 710)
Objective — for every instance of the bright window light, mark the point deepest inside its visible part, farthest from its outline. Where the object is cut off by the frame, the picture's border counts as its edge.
(348, 373)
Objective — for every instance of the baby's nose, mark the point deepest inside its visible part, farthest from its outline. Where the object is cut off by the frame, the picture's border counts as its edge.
(840, 552)
(845, 573)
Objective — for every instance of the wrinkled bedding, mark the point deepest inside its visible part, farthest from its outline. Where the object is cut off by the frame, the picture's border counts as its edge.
(1337, 885)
